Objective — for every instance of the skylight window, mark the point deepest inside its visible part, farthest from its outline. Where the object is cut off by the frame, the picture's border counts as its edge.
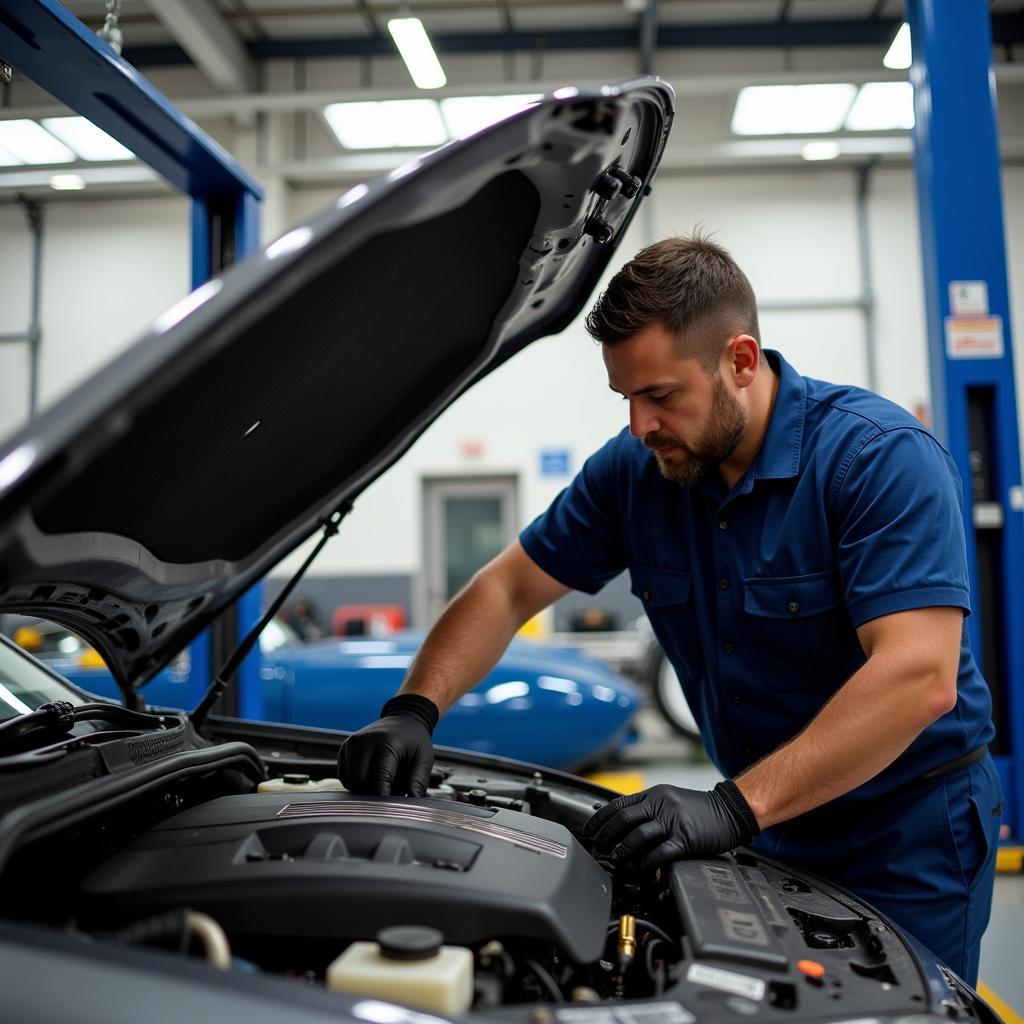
(465, 115)
(387, 124)
(88, 141)
(32, 144)
(792, 109)
(882, 106)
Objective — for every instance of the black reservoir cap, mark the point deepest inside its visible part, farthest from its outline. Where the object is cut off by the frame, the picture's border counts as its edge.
(409, 942)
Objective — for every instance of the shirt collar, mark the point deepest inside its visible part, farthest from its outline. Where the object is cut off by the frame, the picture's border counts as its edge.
(779, 457)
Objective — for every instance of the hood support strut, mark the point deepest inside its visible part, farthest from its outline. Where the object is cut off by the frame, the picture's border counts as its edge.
(220, 680)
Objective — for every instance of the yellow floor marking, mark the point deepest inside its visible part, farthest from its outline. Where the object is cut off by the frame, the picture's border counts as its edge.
(1010, 859)
(621, 782)
(1007, 1012)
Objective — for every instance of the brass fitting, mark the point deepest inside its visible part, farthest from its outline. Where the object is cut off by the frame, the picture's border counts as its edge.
(627, 937)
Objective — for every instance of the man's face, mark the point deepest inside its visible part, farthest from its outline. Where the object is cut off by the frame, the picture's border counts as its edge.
(690, 420)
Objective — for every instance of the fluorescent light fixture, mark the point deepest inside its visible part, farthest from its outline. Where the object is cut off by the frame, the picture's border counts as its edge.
(414, 45)
(898, 57)
(882, 106)
(33, 144)
(387, 124)
(8, 159)
(791, 109)
(67, 182)
(465, 115)
(88, 141)
(821, 150)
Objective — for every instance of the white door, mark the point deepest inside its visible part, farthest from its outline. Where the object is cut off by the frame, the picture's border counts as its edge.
(467, 521)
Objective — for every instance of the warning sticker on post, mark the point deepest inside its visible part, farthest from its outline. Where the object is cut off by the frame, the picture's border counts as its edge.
(974, 337)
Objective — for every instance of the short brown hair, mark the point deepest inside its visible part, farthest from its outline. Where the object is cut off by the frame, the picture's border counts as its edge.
(690, 286)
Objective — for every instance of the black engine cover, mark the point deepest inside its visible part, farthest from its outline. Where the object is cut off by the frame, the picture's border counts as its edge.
(333, 865)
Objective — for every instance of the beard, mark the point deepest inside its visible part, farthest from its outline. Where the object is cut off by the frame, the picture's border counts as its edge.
(727, 422)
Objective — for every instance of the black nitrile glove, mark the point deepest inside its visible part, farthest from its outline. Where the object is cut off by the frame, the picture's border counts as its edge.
(393, 755)
(666, 823)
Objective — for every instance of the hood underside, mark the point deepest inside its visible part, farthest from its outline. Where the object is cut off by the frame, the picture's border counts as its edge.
(136, 509)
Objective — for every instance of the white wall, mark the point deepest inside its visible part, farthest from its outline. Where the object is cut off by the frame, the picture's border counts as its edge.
(794, 233)
(111, 266)
(108, 269)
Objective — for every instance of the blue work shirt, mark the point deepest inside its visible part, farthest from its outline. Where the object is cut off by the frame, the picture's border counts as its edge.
(851, 511)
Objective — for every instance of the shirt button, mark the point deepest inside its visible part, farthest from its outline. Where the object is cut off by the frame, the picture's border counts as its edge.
(794, 606)
(647, 596)
(728, 648)
(723, 584)
(737, 699)
(747, 751)
(722, 524)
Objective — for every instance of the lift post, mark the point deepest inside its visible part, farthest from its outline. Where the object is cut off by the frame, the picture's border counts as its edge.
(959, 189)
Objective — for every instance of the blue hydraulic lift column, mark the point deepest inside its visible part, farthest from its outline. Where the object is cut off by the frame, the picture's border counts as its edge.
(959, 188)
(47, 44)
(225, 229)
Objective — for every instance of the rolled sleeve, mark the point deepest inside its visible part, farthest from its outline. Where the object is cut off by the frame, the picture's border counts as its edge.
(901, 532)
(578, 540)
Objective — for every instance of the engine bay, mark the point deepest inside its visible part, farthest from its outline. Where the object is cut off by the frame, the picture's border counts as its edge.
(282, 883)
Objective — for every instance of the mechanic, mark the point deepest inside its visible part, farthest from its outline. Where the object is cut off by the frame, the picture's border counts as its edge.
(799, 549)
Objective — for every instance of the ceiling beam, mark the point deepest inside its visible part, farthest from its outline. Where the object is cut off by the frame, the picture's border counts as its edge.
(730, 35)
(209, 42)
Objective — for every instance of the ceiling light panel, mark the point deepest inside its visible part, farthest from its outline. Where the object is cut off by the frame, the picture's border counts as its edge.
(882, 106)
(898, 56)
(8, 159)
(825, 149)
(792, 109)
(387, 124)
(88, 141)
(32, 144)
(414, 45)
(67, 182)
(465, 115)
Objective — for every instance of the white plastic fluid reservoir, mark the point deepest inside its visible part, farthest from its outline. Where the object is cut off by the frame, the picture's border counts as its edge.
(407, 964)
(300, 784)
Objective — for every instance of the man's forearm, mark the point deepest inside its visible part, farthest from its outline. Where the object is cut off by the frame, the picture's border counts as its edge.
(869, 722)
(465, 643)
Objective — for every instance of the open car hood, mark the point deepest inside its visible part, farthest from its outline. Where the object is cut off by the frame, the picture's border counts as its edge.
(137, 508)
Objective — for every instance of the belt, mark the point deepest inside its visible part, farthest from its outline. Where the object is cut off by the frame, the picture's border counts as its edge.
(847, 815)
(963, 761)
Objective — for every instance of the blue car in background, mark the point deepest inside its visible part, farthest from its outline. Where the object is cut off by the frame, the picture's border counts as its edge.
(547, 705)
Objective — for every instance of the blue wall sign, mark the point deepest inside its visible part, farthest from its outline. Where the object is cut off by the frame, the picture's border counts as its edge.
(554, 462)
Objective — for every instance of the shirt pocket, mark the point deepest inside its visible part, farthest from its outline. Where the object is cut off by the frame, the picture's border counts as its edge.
(801, 631)
(667, 596)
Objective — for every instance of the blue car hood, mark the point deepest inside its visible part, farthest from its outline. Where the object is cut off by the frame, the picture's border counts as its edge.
(136, 509)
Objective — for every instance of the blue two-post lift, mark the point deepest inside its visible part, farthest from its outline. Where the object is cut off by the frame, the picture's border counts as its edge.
(42, 41)
(959, 189)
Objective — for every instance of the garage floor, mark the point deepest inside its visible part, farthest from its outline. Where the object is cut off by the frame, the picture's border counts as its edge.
(660, 756)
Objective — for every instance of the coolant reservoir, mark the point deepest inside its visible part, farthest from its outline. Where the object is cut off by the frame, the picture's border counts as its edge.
(300, 784)
(407, 964)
